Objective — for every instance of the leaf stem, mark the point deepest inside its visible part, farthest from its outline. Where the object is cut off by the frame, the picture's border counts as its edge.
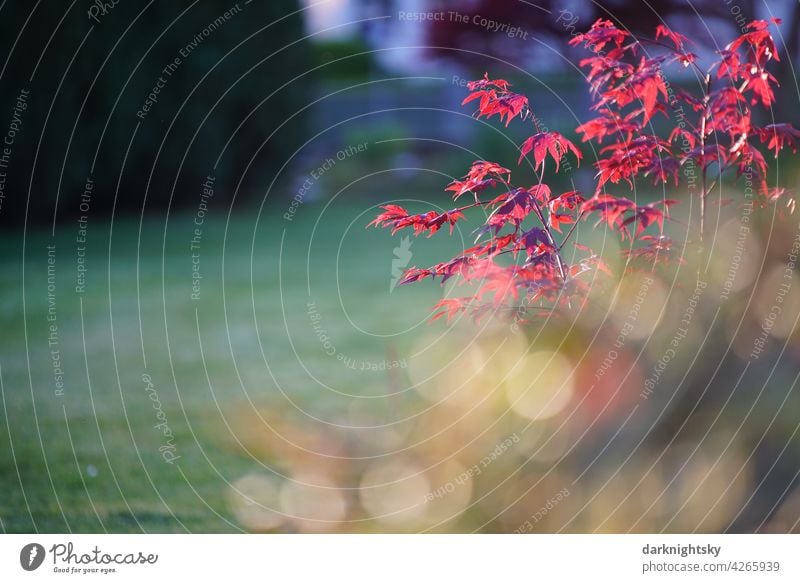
(551, 239)
(571, 229)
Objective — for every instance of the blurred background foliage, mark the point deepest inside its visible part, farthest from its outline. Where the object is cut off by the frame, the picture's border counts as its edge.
(236, 85)
(253, 92)
(393, 430)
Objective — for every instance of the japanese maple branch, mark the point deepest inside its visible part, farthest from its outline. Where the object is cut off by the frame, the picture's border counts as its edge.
(508, 189)
(571, 229)
(673, 50)
(704, 167)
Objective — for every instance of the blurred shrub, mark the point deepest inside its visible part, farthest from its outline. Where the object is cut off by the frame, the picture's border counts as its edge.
(342, 60)
(239, 79)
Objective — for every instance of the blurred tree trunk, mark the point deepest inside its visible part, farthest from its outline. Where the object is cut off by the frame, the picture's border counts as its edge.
(787, 107)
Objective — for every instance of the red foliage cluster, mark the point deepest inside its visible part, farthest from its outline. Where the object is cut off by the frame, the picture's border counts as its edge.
(713, 130)
(496, 99)
(517, 253)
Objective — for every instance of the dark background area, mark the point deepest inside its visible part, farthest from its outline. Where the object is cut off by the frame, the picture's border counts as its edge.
(239, 85)
(249, 88)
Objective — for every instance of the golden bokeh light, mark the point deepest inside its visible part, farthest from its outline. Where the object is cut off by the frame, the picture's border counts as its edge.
(254, 501)
(313, 503)
(777, 304)
(638, 305)
(394, 493)
(541, 385)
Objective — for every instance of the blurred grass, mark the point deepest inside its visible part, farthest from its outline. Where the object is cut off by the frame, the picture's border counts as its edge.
(249, 390)
(89, 460)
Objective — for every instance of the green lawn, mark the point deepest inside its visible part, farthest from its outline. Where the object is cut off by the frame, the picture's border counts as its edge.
(89, 460)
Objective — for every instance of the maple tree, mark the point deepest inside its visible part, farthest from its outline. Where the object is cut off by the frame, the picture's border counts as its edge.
(518, 255)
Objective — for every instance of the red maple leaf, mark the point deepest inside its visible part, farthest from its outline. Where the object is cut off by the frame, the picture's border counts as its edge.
(500, 84)
(495, 99)
(476, 179)
(609, 123)
(392, 214)
(398, 218)
(569, 200)
(516, 206)
(600, 34)
(779, 136)
(662, 169)
(610, 208)
(556, 220)
(450, 307)
(759, 40)
(643, 217)
(677, 39)
(414, 274)
(657, 249)
(626, 159)
(501, 283)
